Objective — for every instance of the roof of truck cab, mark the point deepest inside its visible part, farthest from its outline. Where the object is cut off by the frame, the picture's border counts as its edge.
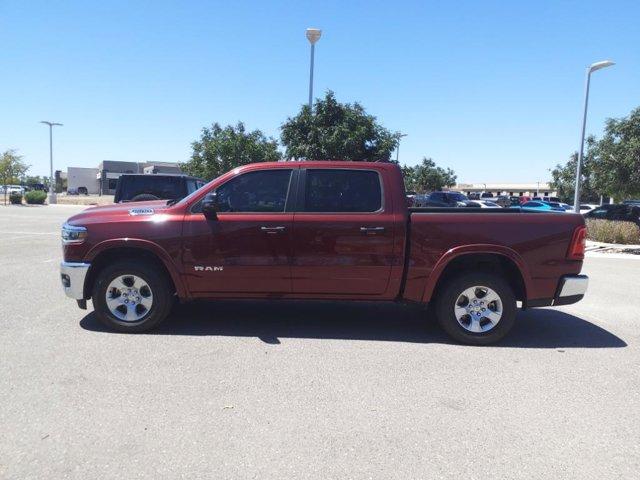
(325, 163)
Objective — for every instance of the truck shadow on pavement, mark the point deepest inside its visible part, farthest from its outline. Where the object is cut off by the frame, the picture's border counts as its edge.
(271, 320)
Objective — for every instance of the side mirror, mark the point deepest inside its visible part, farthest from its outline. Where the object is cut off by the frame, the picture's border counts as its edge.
(210, 206)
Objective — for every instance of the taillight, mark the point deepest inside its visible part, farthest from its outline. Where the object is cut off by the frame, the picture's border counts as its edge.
(578, 244)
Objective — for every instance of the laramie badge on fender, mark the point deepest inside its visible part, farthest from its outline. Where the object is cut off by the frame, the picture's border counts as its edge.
(199, 268)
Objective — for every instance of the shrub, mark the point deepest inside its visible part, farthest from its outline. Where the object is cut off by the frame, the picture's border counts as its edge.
(15, 198)
(35, 197)
(610, 231)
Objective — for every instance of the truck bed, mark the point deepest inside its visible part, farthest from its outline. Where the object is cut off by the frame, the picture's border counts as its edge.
(537, 247)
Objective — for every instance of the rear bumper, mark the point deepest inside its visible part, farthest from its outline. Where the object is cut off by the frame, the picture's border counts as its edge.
(73, 276)
(571, 289)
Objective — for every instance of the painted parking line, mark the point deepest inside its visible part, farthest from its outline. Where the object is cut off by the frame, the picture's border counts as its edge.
(28, 233)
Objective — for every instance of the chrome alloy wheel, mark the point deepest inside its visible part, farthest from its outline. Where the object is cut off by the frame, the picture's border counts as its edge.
(478, 309)
(129, 298)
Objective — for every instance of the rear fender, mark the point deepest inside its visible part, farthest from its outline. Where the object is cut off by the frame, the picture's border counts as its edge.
(489, 249)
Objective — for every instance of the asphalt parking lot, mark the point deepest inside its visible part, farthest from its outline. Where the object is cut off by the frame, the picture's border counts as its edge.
(309, 390)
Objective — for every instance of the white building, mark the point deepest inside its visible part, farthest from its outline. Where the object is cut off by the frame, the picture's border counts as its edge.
(81, 177)
(103, 180)
(534, 189)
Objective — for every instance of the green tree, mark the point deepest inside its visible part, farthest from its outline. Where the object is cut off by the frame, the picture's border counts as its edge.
(616, 157)
(221, 149)
(409, 175)
(564, 177)
(11, 169)
(336, 131)
(428, 177)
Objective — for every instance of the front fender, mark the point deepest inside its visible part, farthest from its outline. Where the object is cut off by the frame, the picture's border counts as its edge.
(142, 244)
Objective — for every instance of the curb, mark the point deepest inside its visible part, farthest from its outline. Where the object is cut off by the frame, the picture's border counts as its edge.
(601, 247)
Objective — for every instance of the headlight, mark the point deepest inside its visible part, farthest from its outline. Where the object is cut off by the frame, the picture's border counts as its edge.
(72, 234)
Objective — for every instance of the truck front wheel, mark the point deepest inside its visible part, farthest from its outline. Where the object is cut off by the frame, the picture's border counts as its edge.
(131, 296)
(476, 308)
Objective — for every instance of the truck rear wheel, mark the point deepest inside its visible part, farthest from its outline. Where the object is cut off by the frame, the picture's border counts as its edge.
(476, 308)
(132, 296)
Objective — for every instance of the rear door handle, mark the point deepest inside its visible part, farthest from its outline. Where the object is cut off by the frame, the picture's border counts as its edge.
(272, 229)
(371, 229)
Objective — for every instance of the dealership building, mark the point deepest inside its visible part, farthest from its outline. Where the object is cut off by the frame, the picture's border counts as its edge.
(534, 189)
(103, 179)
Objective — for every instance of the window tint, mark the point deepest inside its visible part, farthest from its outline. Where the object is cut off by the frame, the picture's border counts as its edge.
(456, 197)
(437, 197)
(191, 186)
(159, 186)
(264, 191)
(342, 191)
(598, 213)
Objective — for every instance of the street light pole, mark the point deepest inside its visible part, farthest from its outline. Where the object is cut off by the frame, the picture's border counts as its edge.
(52, 192)
(313, 35)
(590, 69)
(400, 135)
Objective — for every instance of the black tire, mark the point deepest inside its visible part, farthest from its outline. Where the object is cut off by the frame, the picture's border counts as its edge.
(449, 295)
(159, 287)
(144, 197)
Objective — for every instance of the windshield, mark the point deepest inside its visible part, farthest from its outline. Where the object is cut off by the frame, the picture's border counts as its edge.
(458, 197)
(193, 194)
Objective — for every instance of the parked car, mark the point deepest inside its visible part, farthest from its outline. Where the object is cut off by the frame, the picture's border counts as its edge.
(329, 230)
(15, 189)
(442, 199)
(482, 204)
(503, 201)
(145, 187)
(410, 198)
(473, 196)
(486, 195)
(78, 191)
(632, 202)
(539, 205)
(587, 207)
(38, 186)
(616, 211)
(547, 199)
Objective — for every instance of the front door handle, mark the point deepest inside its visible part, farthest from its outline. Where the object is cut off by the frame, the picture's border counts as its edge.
(372, 229)
(273, 229)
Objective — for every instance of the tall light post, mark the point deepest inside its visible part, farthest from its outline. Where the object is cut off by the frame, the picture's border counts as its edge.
(52, 192)
(313, 35)
(590, 69)
(400, 135)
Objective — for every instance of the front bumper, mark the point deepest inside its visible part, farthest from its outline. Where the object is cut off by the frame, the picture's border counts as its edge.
(72, 276)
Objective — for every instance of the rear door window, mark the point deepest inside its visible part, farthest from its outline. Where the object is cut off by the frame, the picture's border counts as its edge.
(342, 191)
(161, 187)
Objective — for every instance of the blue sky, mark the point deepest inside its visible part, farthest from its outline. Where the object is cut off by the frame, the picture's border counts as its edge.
(492, 89)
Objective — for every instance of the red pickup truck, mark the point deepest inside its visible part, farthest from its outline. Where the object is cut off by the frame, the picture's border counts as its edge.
(321, 230)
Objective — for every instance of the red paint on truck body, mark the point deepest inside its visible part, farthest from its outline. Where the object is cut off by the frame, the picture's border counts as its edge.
(325, 254)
